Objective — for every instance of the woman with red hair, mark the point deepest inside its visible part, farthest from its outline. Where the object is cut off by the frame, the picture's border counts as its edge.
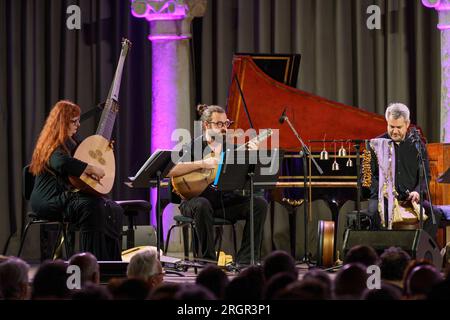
(98, 219)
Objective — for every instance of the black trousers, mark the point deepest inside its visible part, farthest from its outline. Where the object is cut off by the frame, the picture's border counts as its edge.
(99, 221)
(428, 225)
(234, 209)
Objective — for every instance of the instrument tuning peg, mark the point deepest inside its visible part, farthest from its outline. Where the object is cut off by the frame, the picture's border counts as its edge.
(111, 144)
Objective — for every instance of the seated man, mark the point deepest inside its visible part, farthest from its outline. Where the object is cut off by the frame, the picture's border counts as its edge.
(212, 203)
(146, 266)
(405, 182)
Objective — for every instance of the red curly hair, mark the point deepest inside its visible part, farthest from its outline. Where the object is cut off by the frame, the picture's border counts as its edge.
(53, 135)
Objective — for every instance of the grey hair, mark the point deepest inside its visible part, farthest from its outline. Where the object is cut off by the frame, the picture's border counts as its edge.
(13, 275)
(88, 265)
(143, 265)
(206, 111)
(397, 110)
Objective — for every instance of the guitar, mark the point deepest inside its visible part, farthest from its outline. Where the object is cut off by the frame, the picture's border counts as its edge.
(194, 183)
(98, 149)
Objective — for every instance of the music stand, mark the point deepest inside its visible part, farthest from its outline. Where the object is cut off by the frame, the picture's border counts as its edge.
(149, 175)
(244, 170)
(445, 177)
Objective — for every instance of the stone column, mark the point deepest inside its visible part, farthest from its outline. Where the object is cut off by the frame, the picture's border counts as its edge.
(170, 32)
(443, 9)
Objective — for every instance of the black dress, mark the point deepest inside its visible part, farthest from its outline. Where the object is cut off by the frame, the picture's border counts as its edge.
(98, 219)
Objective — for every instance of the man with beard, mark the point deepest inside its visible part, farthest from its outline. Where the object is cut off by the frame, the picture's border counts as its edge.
(212, 203)
(406, 167)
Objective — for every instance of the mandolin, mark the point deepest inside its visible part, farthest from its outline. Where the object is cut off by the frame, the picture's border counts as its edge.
(98, 149)
(194, 183)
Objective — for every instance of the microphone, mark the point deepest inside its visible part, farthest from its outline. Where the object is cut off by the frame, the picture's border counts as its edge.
(283, 117)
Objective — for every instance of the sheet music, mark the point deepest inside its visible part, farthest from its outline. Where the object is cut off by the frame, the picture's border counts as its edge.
(149, 160)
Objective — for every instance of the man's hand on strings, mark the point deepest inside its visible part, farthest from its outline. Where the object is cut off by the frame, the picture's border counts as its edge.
(210, 163)
(253, 145)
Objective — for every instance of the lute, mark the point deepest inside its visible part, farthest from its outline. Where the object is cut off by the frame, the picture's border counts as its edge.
(194, 183)
(98, 149)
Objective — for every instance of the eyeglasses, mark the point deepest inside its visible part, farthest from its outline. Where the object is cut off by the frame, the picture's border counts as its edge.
(75, 121)
(221, 124)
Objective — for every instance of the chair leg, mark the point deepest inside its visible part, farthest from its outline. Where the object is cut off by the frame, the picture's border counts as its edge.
(58, 243)
(219, 235)
(22, 241)
(194, 241)
(185, 231)
(166, 247)
(194, 245)
(66, 242)
(233, 229)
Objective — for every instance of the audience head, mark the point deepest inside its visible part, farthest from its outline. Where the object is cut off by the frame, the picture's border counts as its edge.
(129, 289)
(92, 292)
(365, 255)
(90, 271)
(214, 279)
(193, 292)
(14, 279)
(421, 280)
(323, 277)
(248, 285)
(146, 266)
(165, 291)
(50, 281)
(393, 264)
(311, 289)
(411, 265)
(350, 282)
(277, 283)
(440, 291)
(386, 292)
(278, 262)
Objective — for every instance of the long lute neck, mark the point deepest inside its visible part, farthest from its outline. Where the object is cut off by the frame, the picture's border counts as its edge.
(109, 113)
(262, 136)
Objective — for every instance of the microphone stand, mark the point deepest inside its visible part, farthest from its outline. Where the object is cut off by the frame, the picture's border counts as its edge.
(250, 176)
(422, 176)
(304, 153)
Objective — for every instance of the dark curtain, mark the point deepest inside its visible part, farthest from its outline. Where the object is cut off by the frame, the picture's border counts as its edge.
(342, 59)
(42, 61)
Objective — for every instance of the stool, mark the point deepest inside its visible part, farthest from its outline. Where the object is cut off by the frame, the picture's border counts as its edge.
(186, 222)
(131, 209)
(61, 238)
